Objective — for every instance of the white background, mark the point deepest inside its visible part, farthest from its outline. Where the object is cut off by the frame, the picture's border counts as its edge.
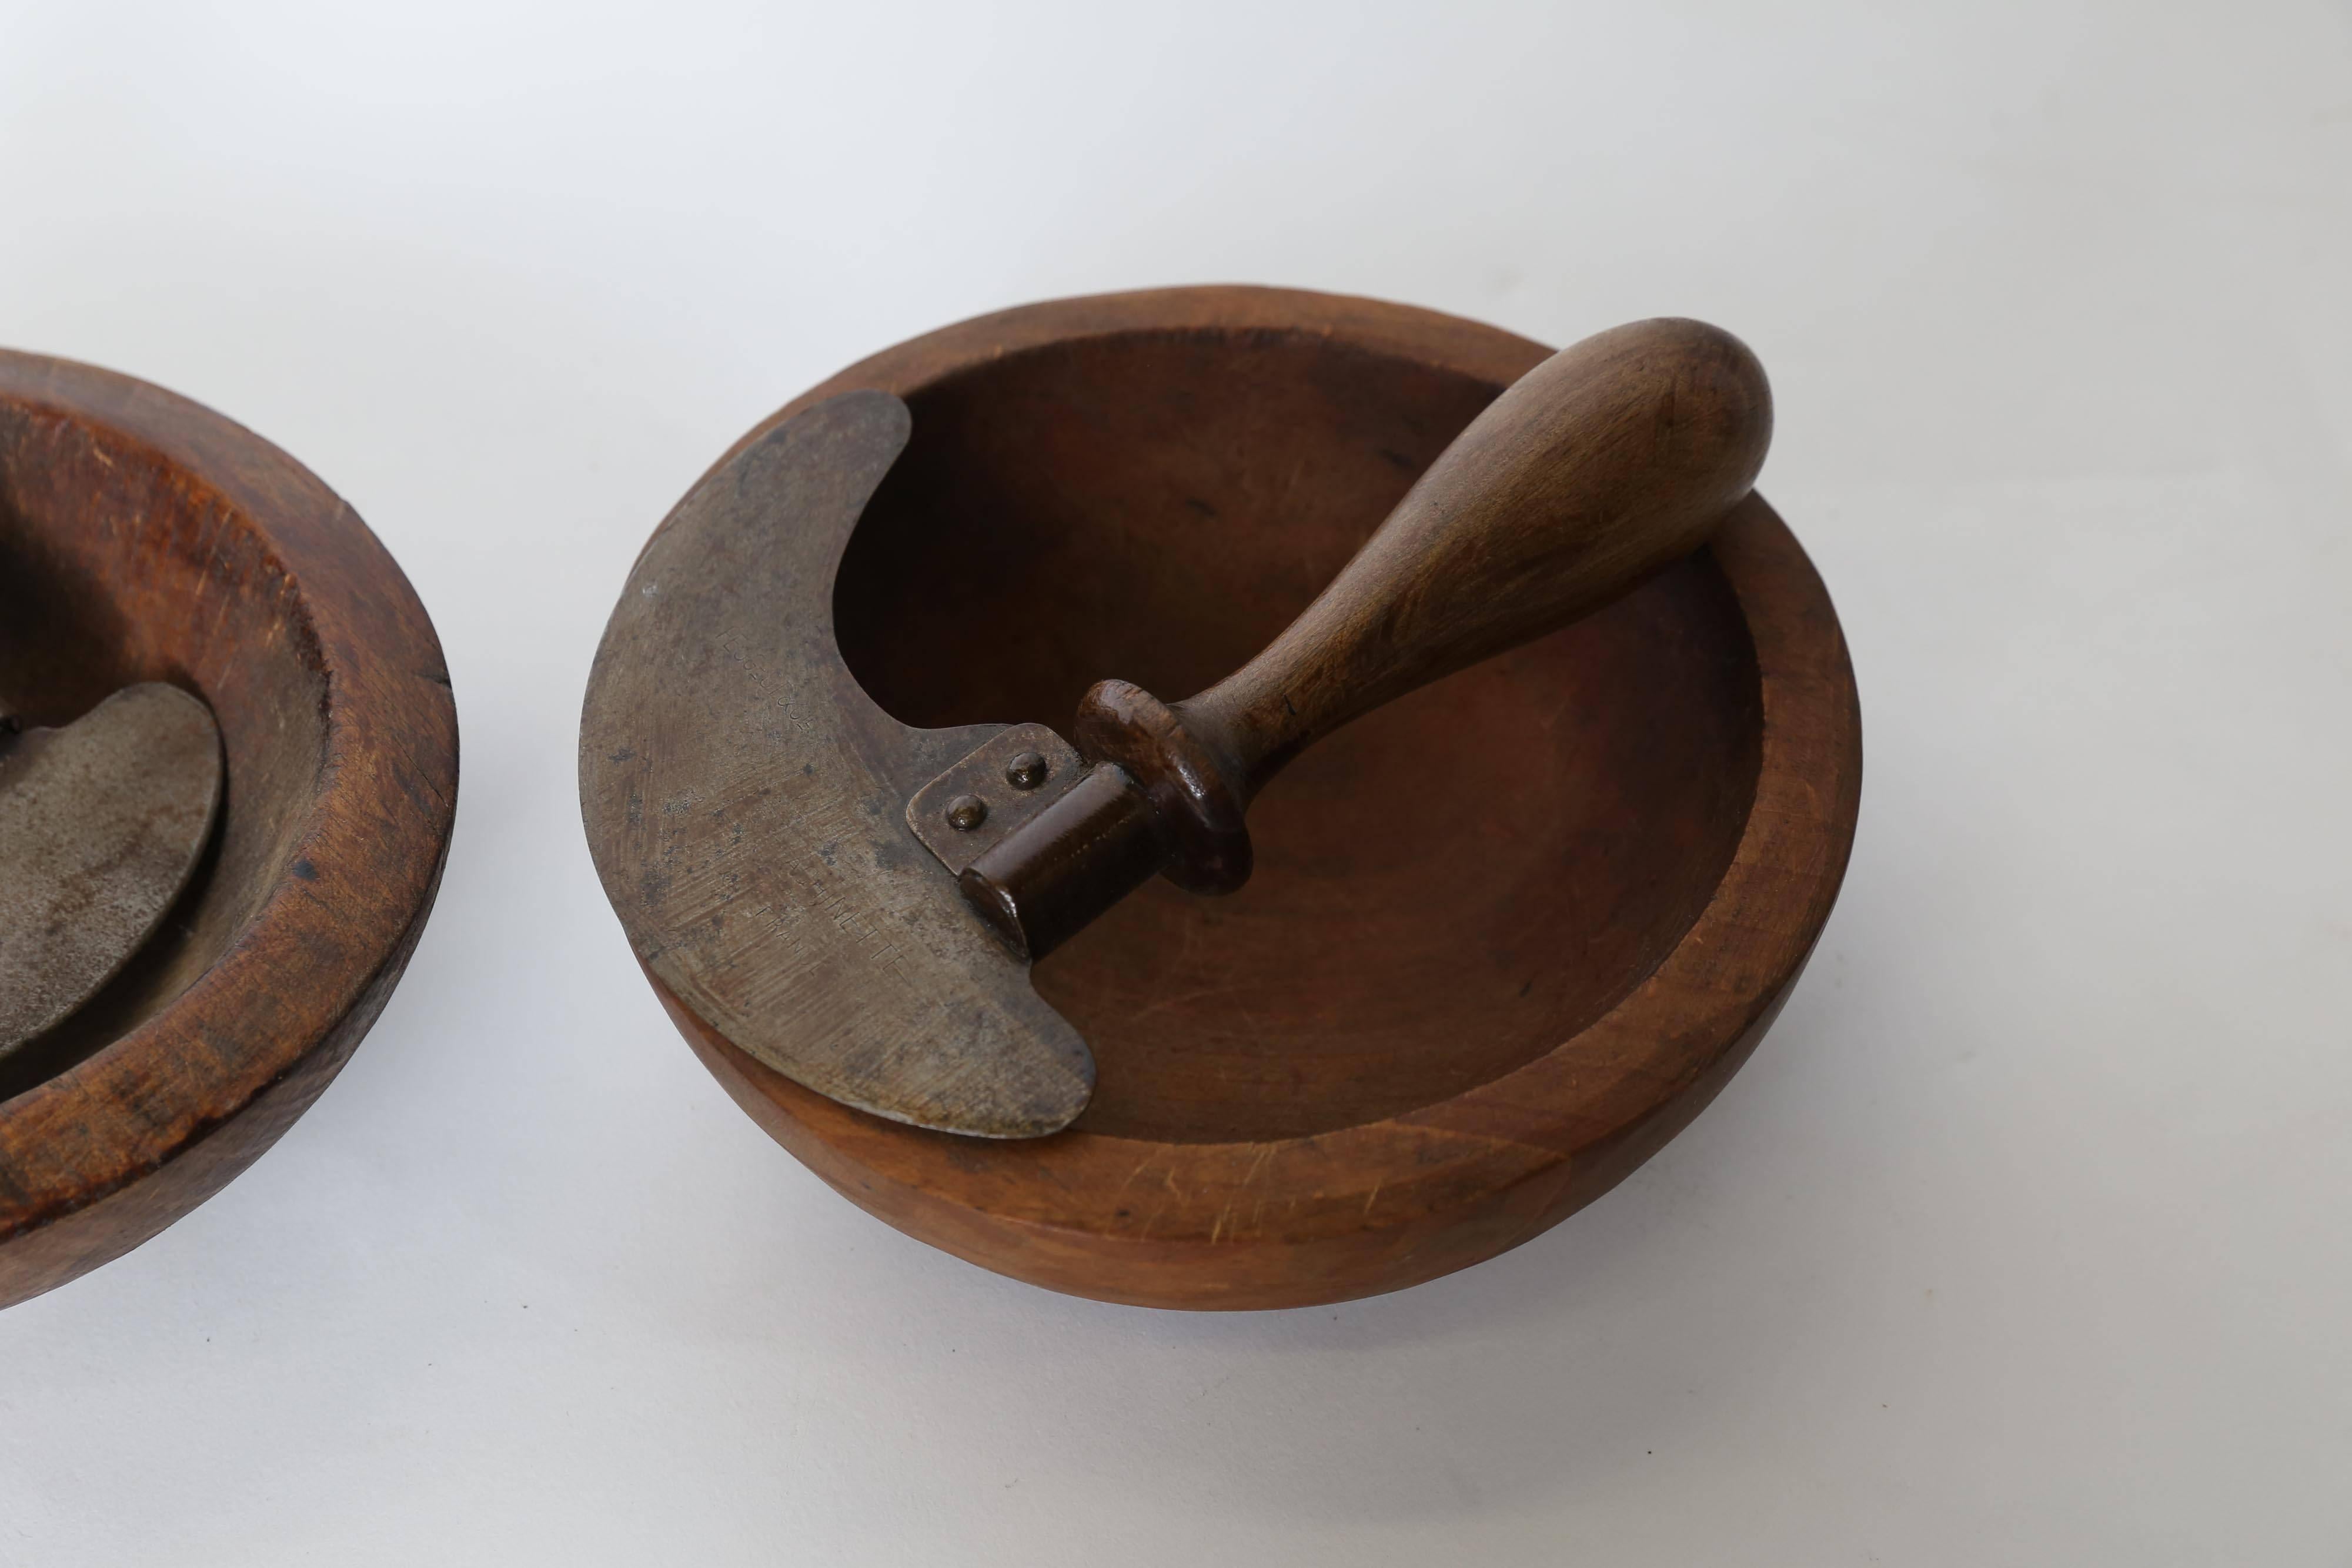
(2026, 1239)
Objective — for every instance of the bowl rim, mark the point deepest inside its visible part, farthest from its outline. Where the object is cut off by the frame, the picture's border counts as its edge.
(294, 989)
(1598, 1095)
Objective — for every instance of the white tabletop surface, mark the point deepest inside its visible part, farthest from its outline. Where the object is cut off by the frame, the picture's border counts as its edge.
(2025, 1239)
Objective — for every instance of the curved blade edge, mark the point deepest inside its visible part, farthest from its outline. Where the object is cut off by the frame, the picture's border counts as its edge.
(103, 822)
(744, 800)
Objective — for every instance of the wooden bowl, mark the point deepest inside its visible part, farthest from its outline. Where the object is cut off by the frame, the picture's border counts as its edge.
(1506, 937)
(144, 537)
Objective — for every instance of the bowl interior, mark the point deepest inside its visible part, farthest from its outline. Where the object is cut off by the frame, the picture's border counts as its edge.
(117, 566)
(1446, 889)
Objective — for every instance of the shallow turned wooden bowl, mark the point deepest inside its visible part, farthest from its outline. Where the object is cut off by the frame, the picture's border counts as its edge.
(146, 539)
(1506, 937)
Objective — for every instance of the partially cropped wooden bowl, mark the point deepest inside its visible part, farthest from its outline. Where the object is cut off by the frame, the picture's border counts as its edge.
(144, 537)
(1506, 937)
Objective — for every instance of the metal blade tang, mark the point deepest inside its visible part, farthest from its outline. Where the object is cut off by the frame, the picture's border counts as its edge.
(1041, 843)
(983, 798)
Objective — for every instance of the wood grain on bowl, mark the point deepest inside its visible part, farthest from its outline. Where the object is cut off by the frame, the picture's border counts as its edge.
(144, 537)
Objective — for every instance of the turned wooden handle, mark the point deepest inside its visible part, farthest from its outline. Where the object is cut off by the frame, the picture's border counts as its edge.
(1610, 460)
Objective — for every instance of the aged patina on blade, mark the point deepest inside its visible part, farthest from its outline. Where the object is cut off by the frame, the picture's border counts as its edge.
(745, 805)
(102, 824)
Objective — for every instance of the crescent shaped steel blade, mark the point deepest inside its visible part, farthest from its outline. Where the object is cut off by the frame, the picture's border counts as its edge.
(745, 805)
(101, 824)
